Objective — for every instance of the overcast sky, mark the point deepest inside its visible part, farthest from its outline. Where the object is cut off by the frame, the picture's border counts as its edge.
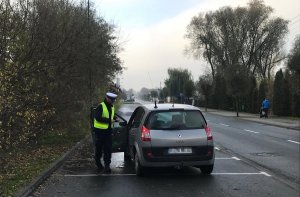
(152, 34)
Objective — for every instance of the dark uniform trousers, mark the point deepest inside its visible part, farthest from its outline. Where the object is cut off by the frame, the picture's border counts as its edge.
(103, 143)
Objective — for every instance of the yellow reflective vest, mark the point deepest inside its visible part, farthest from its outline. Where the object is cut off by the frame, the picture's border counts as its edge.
(105, 114)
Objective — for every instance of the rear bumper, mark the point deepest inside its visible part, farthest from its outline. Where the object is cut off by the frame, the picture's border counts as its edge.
(159, 157)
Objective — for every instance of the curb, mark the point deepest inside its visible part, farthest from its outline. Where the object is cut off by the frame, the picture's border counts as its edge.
(27, 190)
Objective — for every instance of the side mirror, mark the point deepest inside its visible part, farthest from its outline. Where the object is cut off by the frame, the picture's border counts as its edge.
(123, 124)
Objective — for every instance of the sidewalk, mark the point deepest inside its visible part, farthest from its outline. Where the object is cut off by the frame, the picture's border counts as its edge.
(285, 122)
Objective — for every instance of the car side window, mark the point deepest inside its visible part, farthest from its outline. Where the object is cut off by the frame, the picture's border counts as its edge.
(137, 118)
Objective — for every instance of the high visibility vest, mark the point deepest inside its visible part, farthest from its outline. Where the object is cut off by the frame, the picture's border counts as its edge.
(105, 114)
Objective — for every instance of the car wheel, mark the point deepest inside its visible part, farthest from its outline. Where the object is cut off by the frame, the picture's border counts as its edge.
(137, 166)
(207, 169)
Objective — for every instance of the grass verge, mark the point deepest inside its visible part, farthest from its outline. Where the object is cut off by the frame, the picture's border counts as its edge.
(22, 165)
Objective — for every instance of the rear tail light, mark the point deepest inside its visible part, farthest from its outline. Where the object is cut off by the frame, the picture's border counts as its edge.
(145, 134)
(208, 133)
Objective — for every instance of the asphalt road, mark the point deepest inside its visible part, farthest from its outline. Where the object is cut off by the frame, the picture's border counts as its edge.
(251, 160)
(273, 148)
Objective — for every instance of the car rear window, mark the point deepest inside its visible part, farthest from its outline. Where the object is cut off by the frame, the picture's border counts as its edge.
(172, 120)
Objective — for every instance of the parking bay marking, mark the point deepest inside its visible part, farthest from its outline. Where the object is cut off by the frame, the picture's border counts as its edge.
(242, 173)
(226, 158)
(226, 125)
(251, 131)
(90, 175)
(293, 141)
(214, 173)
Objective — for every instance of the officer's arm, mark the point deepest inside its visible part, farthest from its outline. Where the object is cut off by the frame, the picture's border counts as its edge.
(116, 119)
(98, 115)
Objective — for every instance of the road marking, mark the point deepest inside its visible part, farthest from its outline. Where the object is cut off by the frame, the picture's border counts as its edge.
(251, 131)
(207, 120)
(264, 173)
(242, 173)
(217, 148)
(214, 173)
(293, 141)
(236, 158)
(89, 175)
(225, 158)
(226, 125)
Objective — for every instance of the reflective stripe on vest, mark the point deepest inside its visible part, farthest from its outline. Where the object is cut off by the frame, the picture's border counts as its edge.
(105, 114)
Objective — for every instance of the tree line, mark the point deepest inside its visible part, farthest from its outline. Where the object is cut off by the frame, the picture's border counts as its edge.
(242, 46)
(56, 58)
(286, 94)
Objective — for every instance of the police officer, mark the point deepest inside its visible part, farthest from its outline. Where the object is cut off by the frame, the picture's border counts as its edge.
(103, 119)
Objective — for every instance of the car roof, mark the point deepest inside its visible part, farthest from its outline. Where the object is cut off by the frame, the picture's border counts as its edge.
(167, 106)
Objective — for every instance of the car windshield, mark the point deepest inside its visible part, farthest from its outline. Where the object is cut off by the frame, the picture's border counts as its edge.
(174, 120)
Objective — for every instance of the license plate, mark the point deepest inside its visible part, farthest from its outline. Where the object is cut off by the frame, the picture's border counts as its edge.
(180, 150)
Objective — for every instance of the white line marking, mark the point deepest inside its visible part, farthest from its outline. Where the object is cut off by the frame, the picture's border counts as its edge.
(293, 141)
(89, 175)
(215, 173)
(251, 131)
(264, 173)
(236, 158)
(225, 158)
(242, 173)
(226, 125)
(217, 148)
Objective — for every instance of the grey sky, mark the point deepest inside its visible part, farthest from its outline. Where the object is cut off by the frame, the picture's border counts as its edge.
(152, 33)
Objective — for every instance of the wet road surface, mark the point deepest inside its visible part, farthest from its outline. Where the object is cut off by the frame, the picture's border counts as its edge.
(231, 177)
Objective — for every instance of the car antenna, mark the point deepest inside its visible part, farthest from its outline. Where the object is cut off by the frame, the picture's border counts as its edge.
(155, 106)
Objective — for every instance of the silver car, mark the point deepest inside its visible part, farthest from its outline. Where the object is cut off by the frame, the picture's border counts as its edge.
(169, 135)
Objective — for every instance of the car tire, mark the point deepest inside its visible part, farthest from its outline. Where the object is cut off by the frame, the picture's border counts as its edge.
(207, 169)
(139, 171)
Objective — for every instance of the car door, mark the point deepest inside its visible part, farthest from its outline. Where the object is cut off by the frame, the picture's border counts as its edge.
(133, 126)
(119, 134)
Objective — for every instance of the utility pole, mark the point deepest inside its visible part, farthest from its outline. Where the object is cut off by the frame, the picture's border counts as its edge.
(90, 74)
(90, 69)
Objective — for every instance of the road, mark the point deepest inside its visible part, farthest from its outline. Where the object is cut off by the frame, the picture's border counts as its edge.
(252, 159)
(268, 147)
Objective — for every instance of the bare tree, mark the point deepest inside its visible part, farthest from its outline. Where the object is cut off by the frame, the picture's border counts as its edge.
(44, 82)
(238, 44)
(204, 86)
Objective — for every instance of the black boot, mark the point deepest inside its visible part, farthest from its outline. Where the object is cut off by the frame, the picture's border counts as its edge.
(99, 165)
(107, 169)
